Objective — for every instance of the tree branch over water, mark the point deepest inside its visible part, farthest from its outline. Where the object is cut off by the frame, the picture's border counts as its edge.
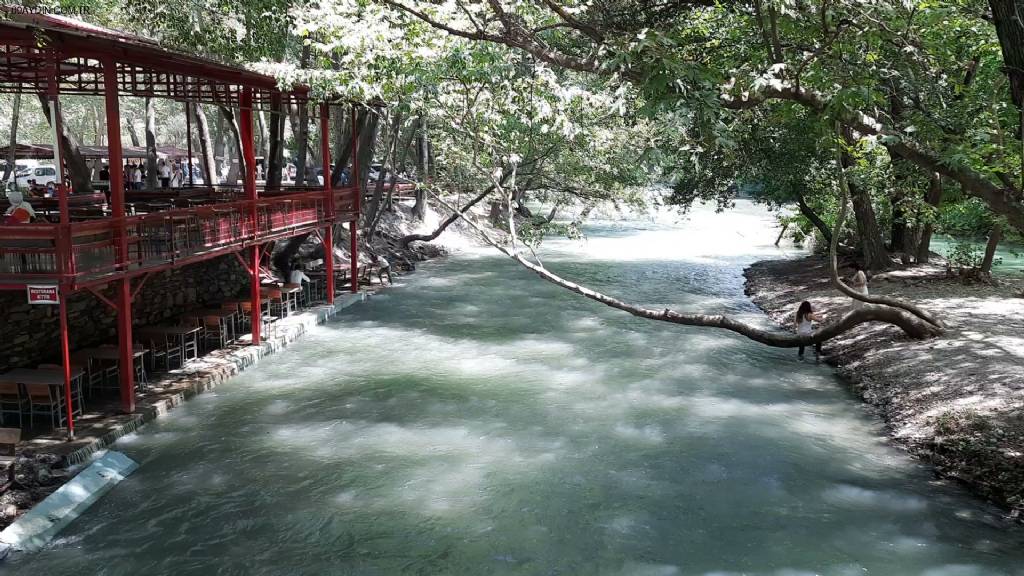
(910, 324)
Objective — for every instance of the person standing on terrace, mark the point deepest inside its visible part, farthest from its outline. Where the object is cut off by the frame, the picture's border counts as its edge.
(137, 177)
(164, 171)
(177, 176)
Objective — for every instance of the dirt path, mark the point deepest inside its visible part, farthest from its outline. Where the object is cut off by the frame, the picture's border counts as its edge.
(956, 401)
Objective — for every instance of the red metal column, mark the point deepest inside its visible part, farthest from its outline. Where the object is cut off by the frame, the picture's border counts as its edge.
(188, 140)
(249, 181)
(325, 154)
(65, 360)
(353, 225)
(56, 129)
(124, 287)
(64, 233)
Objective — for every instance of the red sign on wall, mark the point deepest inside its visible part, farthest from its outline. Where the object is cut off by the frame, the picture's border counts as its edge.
(43, 295)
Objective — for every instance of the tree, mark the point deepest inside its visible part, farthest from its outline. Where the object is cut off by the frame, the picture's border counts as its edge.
(78, 171)
(210, 173)
(828, 59)
(13, 140)
(151, 174)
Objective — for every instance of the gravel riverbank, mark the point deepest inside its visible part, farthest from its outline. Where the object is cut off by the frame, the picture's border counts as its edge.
(956, 401)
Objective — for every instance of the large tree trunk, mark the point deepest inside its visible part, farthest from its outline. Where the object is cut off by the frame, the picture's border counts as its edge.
(419, 209)
(78, 170)
(400, 150)
(873, 248)
(97, 129)
(151, 174)
(374, 207)
(814, 218)
(400, 162)
(133, 134)
(303, 176)
(368, 142)
(934, 198)
(220, 151)
(282, 259)
(301, 132)
(236, 168)
(12, 154)
(206, 148)
(994, 236)
(264, 143)
(1008, 17)
(343, 142)
(275, 159)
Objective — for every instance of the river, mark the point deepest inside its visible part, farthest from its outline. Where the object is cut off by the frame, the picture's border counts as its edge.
(476, 420)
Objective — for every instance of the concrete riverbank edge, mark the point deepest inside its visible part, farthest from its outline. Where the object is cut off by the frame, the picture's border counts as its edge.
(955, 402)
(38, 526)
(208, 373)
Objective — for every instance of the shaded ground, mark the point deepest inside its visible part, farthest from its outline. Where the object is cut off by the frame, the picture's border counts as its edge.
(957, 401)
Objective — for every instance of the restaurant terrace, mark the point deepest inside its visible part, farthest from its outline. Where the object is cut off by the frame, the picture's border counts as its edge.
(89, 242)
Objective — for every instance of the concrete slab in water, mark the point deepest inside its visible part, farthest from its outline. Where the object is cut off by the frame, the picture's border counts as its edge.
(46, 519)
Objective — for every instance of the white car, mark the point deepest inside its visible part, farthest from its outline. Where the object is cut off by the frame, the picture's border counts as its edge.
(43, 175)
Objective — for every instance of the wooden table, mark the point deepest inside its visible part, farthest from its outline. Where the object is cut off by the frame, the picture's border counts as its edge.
(182, 333)
(46, 377)
(226, 316)
(289, 297)
(114, 354)
(111, 353)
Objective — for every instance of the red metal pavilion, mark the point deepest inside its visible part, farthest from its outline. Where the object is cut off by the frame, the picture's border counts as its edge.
(54, 56)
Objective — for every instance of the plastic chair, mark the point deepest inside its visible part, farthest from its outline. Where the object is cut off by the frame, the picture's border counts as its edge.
(12, 401)
(45, 399)
(216, 331)
(76, 383)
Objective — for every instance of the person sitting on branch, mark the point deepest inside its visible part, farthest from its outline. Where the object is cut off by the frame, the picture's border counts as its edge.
(805, 327)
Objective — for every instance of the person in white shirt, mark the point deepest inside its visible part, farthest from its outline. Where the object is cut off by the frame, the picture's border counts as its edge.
(805, 327)
(297, 277)
(383, 268)
(19, 211)
(137, 177)
(176, 176)
(164, 170)
(859, 282)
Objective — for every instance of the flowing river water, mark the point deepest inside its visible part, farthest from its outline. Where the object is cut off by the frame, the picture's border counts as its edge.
(476, 420)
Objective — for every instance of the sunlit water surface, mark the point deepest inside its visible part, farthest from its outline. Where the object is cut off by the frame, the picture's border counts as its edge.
(479, 421)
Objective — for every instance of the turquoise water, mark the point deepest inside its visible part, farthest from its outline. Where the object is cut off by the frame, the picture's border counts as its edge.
(476, 420)
(1009, 258)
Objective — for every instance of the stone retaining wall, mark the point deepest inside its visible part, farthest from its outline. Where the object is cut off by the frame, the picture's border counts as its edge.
(31, 333)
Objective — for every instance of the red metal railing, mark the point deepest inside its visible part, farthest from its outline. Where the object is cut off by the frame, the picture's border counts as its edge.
(33, 252)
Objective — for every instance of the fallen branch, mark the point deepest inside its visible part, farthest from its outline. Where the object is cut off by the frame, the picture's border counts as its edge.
(911, 325)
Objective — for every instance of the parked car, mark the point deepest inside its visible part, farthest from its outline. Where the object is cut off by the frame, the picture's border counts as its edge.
(376, 172)
(43, 175)
(21, 168)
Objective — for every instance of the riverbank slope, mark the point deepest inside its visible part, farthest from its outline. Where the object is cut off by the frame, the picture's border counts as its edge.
(955, 401)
